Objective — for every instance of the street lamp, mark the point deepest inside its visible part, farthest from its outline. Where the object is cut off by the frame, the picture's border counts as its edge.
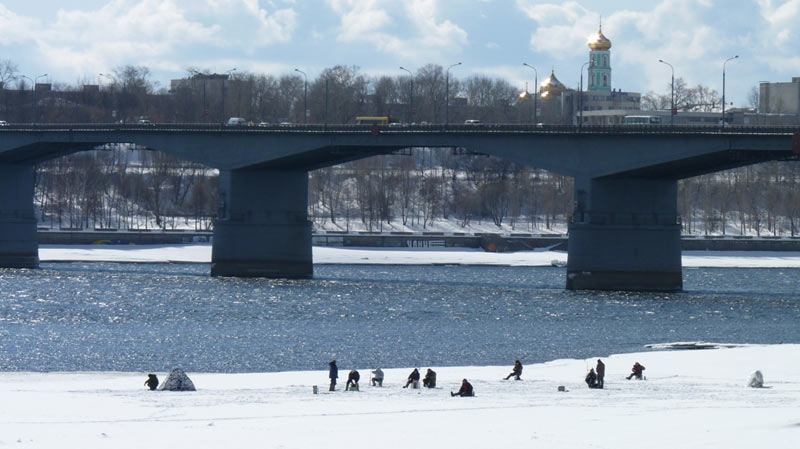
(33, 90)
(447, 94)
(723, 87)
(535, 91)
(410, 94)
(113, 82)
(305, 95)
(197, 74)
(580, 100)
(672, 95)
(227, 73)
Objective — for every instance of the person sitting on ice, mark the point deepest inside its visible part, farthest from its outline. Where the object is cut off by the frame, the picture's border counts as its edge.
(413, 379)
(352, 381)
(377, 377)
(466, 390)
(430, 379)
(152, 381)
(591, 379)
(756, 380)
(636, 371)
(516, 371)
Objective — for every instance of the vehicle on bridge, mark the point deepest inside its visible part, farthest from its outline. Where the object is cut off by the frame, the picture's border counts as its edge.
(641, 120)
(376, 120)
(236, 121)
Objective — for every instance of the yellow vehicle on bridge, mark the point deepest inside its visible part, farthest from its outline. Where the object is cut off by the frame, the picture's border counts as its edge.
(375, 120)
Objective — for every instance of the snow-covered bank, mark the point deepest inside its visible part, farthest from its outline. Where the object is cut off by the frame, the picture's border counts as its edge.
(691, 398)
(201, 253)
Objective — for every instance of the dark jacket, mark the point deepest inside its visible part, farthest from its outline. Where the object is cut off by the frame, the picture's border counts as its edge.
(152, 381)
(517, 368)
(591, 379)
(601, 369)
(466, 389)
(334, 371)
(414, 375)
(430, 379)
(354, 376)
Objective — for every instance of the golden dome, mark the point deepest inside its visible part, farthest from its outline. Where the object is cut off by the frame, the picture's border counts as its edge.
(551, 87)
(599, 41)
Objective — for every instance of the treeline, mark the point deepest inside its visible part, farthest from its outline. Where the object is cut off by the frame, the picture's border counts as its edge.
(337, 95)
(117, 188)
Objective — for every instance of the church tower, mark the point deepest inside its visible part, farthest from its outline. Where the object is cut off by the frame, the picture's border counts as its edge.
(599, 62)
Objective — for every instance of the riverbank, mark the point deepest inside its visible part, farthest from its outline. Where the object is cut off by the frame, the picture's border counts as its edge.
(691, 398)
(201, 253)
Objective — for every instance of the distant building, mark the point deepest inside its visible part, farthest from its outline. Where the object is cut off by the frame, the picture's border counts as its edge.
(600, 102)
(780, 98)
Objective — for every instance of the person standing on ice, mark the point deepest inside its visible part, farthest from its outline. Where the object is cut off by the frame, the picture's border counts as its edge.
(466, 390)
(591, 379)
(601, 373)
(516, 371)
(636, 371)
(377, 377)
(333, 373)
(413, 378)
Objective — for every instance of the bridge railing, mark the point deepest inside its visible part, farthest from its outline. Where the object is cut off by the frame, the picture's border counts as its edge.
(499, 128)
(626, 218)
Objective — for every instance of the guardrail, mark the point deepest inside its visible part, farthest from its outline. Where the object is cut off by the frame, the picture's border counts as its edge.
(405, 129)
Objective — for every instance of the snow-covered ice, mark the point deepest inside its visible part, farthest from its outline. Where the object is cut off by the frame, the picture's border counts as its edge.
(690, 398)
(416, 256)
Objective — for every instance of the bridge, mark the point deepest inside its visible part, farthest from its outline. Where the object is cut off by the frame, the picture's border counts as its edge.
(625, 232)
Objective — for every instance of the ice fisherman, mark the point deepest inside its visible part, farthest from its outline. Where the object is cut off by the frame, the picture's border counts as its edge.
(377, 377)
(429, 381)
(636, 371)
(413, 379)
(333, 373)
(152, 381)
(601, 373)
(591, 378)
(466, 390)
(352, 381)
(516, 371)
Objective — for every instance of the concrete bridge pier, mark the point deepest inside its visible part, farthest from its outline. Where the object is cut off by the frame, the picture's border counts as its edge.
(625, 235)
(19, 247)
(262, 228)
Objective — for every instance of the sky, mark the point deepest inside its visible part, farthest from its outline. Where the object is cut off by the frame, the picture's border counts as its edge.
(74, 41)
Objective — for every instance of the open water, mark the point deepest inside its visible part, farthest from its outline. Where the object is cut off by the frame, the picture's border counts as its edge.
(154, 317)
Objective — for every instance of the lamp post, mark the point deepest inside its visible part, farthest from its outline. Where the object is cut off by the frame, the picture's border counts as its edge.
(197, 74)
(723, 87)
(33, 92)
(113, 82)
(410, 94)
(227, 73)
(672, 95)
(580, 100)
(305, 95)
(447, 94)
(535, 91)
